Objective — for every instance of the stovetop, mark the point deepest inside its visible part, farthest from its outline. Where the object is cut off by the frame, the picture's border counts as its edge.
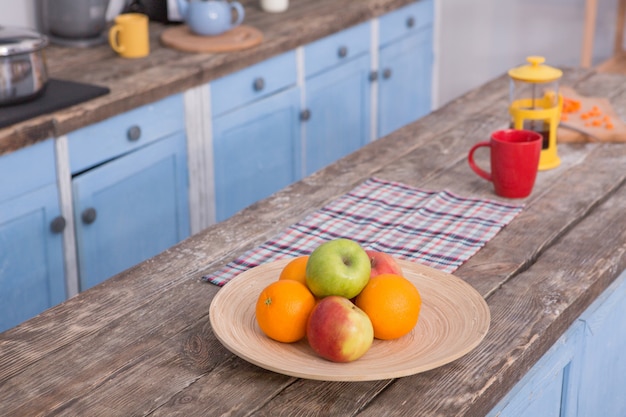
(58, 95)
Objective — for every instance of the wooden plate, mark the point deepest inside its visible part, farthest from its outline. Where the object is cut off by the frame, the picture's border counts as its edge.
(181, 38)
(453, 320)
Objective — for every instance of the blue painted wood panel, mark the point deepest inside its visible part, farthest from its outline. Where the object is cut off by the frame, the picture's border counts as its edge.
(336, 49)
(406, 21)
(27, 169)
(405, 79)
(32, 273)
(339, 105)
(256, 151)
(550, 388)
(253, 83)
(141, 203)
(109, 139)
(603, 381)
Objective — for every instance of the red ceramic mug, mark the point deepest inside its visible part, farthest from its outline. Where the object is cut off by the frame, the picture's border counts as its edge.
(514, 161)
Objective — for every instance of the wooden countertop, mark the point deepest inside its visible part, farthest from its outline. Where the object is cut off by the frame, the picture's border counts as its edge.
(135, 82)
(141, 343)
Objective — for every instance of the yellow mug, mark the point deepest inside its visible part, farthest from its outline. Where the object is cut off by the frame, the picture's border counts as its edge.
(129, 35)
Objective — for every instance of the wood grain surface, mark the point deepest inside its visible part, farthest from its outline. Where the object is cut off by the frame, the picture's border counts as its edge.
(141, 343)
(453, 319)
(181, 38)
(579, 127)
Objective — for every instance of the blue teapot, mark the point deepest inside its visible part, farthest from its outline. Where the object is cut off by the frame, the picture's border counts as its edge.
(210, 17)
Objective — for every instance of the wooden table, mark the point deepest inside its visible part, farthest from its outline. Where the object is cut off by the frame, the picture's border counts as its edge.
(166, 71)
(141, 342)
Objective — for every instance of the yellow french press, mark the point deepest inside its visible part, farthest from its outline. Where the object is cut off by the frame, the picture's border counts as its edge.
(535, 104)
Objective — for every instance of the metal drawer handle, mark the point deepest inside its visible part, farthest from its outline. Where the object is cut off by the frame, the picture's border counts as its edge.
(134, 133)
(342, 52)
(373, 76)
(410, 22)
(305, 115)
(387, 73)
(259, 84)
(57, 225)
(89, 215)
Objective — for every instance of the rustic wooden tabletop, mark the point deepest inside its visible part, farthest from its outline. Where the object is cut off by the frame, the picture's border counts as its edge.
(141, 343)
(166, 71)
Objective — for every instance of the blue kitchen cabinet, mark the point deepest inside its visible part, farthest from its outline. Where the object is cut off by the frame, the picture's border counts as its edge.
(129, 189)
(337, 88)
(256, 133)
(603, 376)
(405, 66)
(550, 388)
(584, 373)
(32, 275)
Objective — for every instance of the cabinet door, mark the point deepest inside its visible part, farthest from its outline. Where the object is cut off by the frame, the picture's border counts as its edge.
(405, 77)
(338, 105)
(550, 388)
(604, 369)
(256, 151)
(31, 256)
(130, 209)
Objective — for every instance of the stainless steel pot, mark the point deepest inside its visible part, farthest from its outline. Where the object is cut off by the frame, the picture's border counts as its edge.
(23, 73)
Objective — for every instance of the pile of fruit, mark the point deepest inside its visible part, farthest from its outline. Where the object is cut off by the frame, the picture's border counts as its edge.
(339, 298)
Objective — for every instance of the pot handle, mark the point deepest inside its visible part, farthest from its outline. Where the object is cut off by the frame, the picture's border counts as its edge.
(113, 32)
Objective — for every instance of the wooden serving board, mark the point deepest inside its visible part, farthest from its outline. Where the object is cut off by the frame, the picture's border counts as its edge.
(183, 39)
(453, 320)
(584, 133)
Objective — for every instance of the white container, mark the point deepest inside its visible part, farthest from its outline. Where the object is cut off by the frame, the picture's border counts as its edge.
(274, 6)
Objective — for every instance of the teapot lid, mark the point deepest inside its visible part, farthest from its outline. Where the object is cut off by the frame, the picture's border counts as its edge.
(15, 41)
(536, 71)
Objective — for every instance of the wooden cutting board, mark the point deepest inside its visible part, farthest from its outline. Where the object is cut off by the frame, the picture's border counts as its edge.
(241, 37)
(585, 131)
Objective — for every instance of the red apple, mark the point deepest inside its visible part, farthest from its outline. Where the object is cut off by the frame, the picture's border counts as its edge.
(338, 330)
(383, 263)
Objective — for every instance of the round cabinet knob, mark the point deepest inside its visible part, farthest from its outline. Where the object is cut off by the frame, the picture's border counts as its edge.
(342, 52)
(89, 215)
(387, 73)
(57, 225)
(305, 115)
(259, 84)
(134, 133)
(410, 22)
(373, 76)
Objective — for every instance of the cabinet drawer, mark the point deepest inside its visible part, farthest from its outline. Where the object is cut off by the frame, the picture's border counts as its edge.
(27, 169)
(121, 134)
(253, 83)
(406, 20)
(335, 49)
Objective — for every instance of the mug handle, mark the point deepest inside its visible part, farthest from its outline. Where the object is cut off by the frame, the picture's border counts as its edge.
(470, 158)
(113, 32)
(240, 13)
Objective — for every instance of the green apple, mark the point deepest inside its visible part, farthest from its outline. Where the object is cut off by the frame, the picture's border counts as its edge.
(338, 267)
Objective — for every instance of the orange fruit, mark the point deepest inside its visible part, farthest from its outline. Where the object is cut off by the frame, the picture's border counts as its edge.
(282, 310)
(295, 269)
(392, 303)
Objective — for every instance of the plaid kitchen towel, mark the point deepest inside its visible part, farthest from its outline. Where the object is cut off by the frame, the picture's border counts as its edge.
(435, 228)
